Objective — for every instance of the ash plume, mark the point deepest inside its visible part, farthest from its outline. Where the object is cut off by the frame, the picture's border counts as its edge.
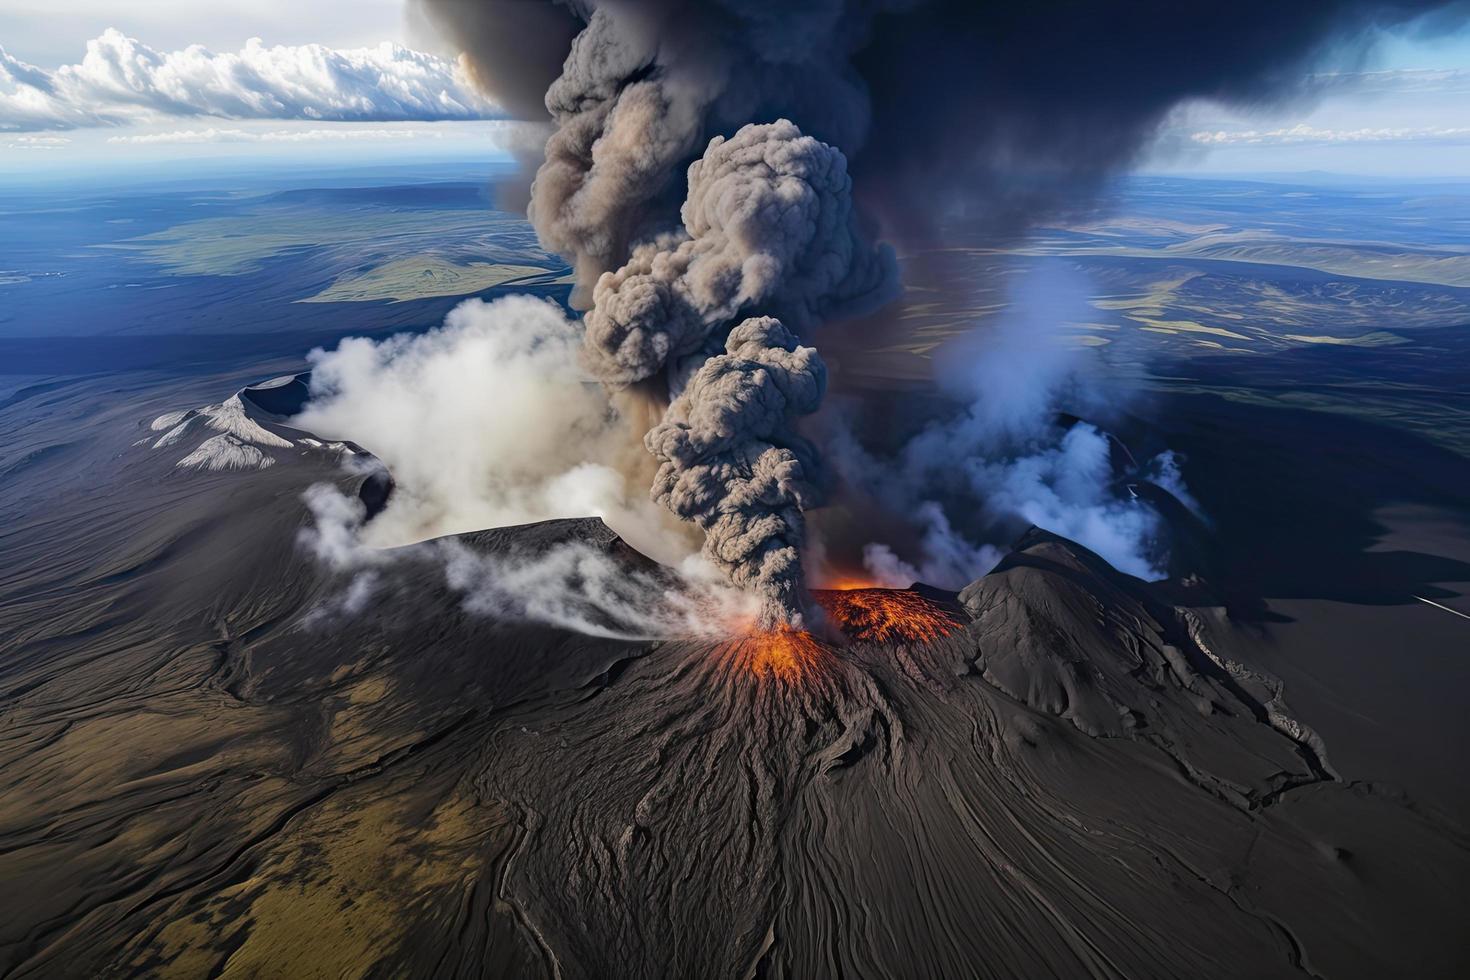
(730, 462)
(991, 112)
(941, 105)
(767, 224)
(514, 48)
(644, 88)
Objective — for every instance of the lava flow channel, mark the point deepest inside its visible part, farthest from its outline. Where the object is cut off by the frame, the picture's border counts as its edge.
(887, 615)
(783, 652)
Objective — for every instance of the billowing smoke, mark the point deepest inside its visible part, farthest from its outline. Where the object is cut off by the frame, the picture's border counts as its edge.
(483, 422)
(489, 421)
(989, 111)
(764, 226)
(1004, 450)
(730, 462)
(768, 226)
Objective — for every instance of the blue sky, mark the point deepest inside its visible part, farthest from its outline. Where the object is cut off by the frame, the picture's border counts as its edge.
(102, 86)
(1400, 109)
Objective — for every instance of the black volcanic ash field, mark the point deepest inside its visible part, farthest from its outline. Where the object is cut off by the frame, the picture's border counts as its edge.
(205, 776)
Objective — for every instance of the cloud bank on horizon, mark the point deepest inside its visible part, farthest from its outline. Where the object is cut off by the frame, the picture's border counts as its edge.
(1359, 119)
(121, 80)
(1303, 133)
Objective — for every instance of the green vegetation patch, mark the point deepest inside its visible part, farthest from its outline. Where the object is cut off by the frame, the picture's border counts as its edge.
(423, 276)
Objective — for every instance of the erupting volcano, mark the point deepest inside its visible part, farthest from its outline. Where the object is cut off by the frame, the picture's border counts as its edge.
(783, 652)
(488, 649)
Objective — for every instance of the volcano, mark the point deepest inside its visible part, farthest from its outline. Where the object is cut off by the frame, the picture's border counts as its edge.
(214, 763)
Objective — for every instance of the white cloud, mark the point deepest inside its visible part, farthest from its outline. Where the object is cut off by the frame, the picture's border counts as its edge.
(1303, 133)
(37, 142)
(1397, 81)
(122, 80)
(213, 135)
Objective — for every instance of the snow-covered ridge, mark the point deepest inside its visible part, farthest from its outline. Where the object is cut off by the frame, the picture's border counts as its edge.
(241, 421)
(226, 453)
(229, 417)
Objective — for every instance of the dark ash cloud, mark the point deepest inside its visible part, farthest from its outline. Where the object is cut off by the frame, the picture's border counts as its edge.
(730, 461)
(697, 175)
(514, 48)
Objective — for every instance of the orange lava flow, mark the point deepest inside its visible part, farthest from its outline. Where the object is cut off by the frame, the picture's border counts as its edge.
(783, 651)
(886, 615)
(845, 583)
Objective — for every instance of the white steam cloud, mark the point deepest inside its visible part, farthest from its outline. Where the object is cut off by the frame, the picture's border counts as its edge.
(571, 585)
(1007, 459)
(487, 422)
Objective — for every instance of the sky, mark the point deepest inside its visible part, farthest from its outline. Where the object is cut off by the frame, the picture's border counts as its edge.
(1403, 111)
(160, 84)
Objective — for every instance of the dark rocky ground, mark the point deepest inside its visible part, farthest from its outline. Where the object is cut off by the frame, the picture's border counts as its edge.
(208, 771)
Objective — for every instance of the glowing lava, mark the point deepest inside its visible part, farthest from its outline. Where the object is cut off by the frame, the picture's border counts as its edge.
(862, 613)
(886, 615)
(846, 583)
(783, 652)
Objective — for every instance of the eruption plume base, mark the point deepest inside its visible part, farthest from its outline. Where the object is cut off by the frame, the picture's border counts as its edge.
(866, 614)
(783, 652)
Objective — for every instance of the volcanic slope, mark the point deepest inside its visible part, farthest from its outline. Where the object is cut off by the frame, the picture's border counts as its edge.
(214, 763)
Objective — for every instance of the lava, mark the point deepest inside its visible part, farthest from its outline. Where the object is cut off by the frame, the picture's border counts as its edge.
(886, 615)
(862, 612)
(846, 583)
(783, 652)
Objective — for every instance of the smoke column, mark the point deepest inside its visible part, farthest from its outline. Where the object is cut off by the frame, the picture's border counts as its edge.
(767, 226)
(730, 463)
(991, 110)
